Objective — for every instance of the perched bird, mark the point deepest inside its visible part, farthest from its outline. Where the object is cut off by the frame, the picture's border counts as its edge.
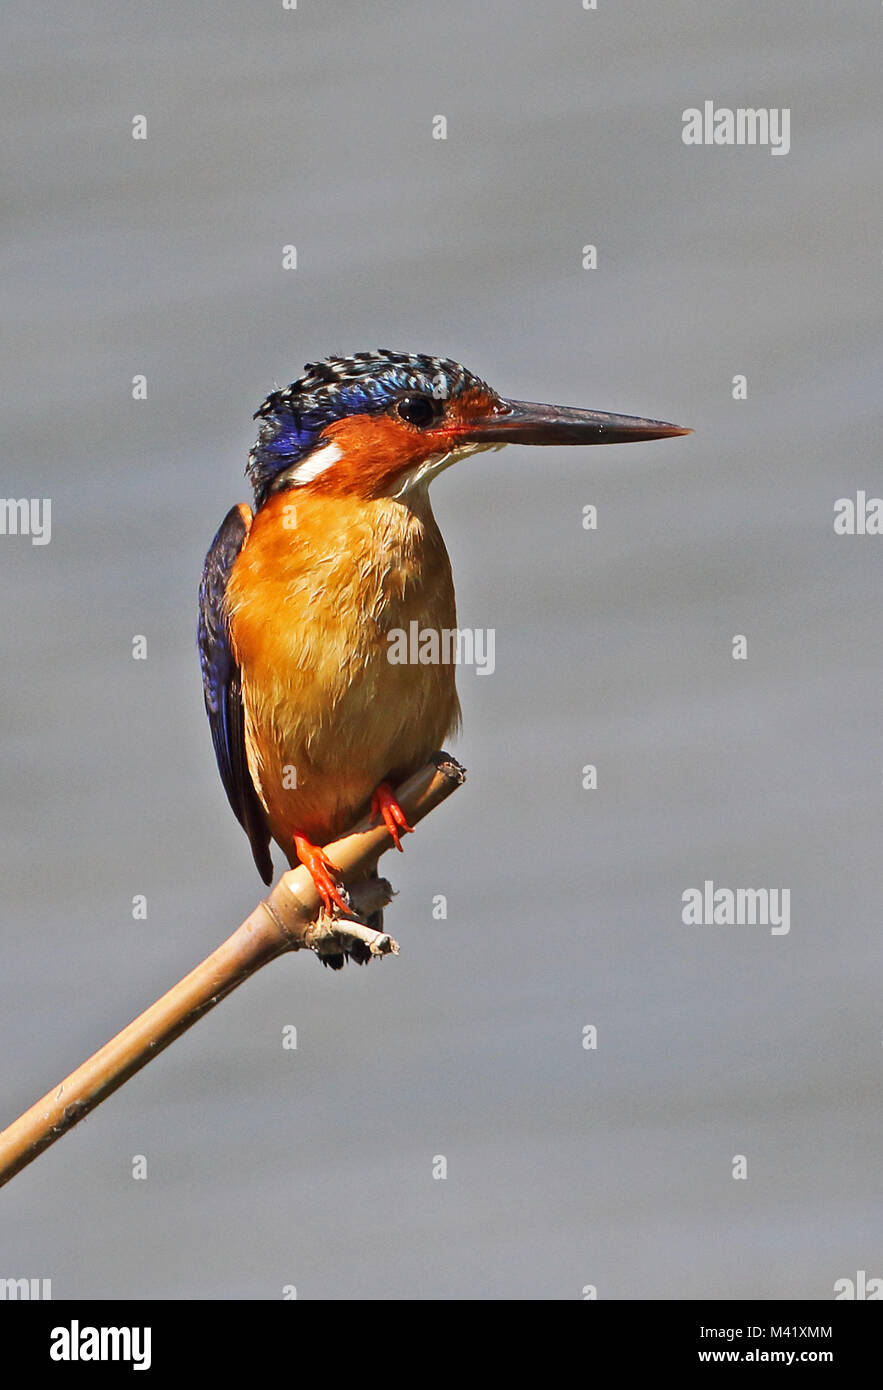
(312, 723)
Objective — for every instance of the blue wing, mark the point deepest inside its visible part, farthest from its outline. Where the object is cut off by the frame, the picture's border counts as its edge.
(222, 686)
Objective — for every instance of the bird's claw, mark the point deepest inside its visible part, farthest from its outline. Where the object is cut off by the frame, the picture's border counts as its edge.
(325, 875)
(384, 804)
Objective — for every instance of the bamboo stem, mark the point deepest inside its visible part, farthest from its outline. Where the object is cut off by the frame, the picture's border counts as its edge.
(289, 919)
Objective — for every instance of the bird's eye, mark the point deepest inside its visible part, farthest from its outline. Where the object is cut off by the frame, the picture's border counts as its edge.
(417, 410)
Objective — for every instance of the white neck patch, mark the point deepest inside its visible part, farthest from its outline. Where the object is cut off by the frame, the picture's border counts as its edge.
(313, 465)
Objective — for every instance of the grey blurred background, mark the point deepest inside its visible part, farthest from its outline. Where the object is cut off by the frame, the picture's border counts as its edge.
(566, 1167)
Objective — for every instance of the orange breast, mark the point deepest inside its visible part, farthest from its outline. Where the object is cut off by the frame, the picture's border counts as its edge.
(317, 588)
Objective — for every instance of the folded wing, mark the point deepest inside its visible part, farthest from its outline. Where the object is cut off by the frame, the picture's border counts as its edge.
(222, 686)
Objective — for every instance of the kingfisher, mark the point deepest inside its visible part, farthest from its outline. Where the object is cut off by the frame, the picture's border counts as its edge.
(313, 725)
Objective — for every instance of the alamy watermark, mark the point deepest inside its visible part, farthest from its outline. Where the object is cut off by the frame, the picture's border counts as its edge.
(76, 1343)
(858, 516)
(446, 646)
(27, 516)
(744, 125)
(25, 1289)
(737, 907)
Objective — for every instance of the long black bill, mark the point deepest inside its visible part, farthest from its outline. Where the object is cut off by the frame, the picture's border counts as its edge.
(527, 422)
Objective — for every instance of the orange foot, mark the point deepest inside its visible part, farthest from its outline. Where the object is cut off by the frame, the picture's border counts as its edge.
(383, 803)
(324, 874)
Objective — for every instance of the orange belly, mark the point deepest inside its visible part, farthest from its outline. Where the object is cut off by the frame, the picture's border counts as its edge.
(311, 600)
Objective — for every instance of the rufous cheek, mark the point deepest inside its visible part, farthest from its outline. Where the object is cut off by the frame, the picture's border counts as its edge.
(374, 452)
